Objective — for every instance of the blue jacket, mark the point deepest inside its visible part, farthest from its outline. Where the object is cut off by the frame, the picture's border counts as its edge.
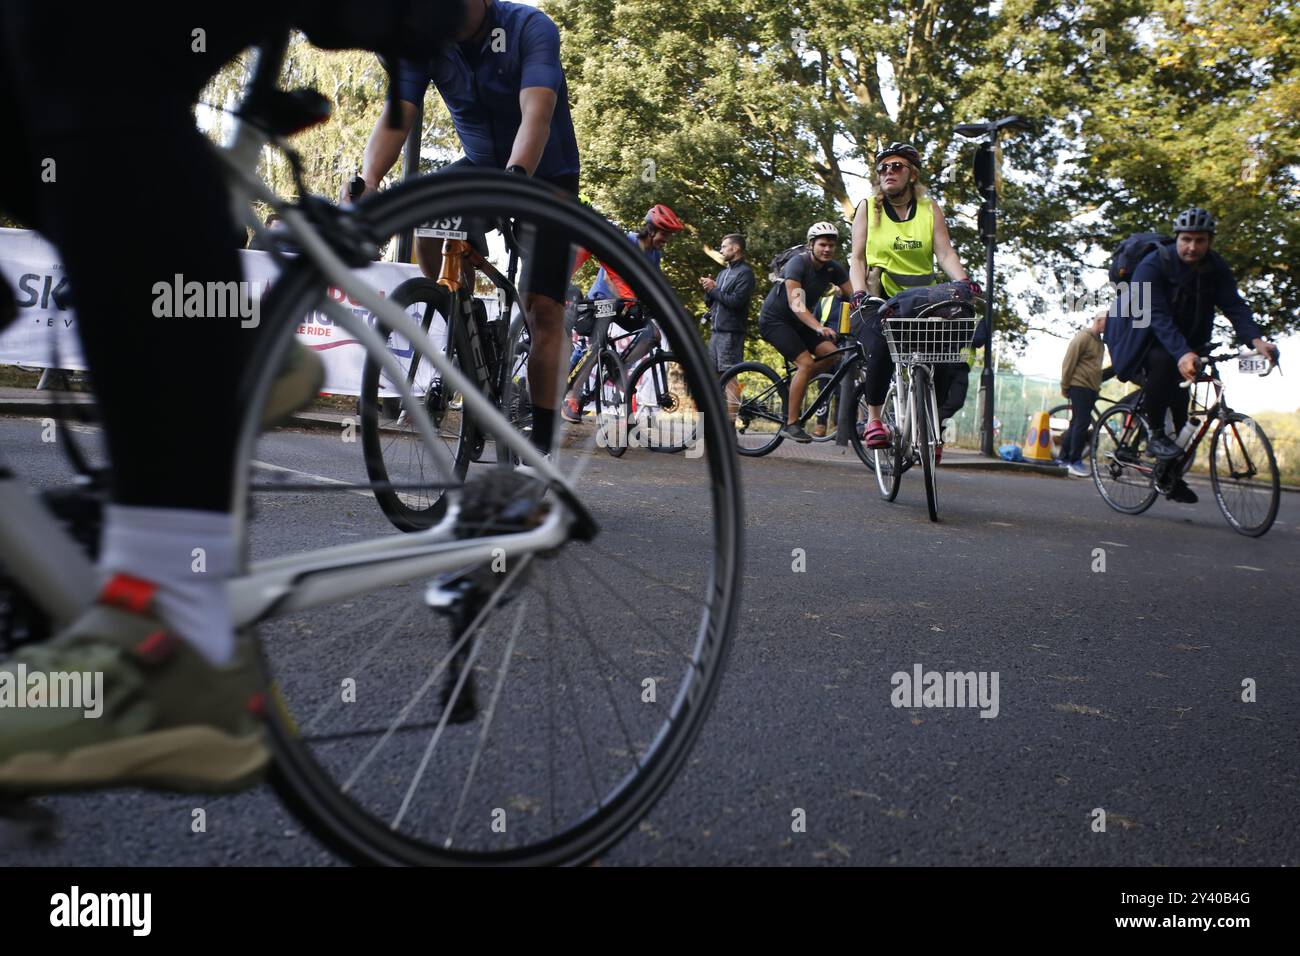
(1179, 301)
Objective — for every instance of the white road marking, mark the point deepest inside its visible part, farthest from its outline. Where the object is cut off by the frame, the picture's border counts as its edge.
(1114, 544)
(1247, 567)
(267, 466)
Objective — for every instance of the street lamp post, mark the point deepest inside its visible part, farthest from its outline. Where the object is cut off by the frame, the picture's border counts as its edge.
(988, 181)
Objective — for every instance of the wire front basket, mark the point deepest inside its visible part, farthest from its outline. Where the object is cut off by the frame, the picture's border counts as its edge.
(930, 339)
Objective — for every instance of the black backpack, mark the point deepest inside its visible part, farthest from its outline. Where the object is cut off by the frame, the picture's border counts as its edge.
(778, 263)
(1132, 251)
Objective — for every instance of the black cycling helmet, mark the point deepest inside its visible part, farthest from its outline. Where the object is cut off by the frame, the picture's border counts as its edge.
(906, 150)
(1194, 220)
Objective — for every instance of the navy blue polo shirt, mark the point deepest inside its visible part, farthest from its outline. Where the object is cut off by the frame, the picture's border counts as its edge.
(481, 88)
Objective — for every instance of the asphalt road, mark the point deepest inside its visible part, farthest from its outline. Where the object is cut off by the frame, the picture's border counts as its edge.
(1119, 690)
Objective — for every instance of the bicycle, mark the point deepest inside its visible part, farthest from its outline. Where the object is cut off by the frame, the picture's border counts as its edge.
(758, 400)
(597, 368)
(391, 448)
(911, 410)
(342, 768)
(1243, 472)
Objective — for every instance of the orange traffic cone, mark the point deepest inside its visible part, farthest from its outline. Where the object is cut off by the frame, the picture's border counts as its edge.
(1038, 443)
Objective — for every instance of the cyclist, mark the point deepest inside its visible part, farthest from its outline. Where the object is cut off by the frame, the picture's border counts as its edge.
(660, 225)
(183, 694)
(898, 234)
(1184, 282)
(505, 89)
(786, 322)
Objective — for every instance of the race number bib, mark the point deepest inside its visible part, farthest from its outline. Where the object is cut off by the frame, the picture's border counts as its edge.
(448, 228)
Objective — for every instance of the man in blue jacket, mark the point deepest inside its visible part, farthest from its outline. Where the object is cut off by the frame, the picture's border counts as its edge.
(1182, 284)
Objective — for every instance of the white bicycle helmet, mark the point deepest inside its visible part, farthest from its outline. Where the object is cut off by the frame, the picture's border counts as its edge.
(819, 229)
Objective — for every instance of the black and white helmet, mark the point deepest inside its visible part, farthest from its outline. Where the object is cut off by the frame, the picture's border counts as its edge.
(1194, 220)
(819, 229)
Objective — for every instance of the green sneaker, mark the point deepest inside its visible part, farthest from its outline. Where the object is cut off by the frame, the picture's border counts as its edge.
(116, 700)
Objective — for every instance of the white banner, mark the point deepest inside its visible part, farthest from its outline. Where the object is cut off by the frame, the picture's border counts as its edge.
(44, 335)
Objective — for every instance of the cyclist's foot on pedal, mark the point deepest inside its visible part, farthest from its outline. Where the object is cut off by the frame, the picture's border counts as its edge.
(163, 715)
(1182, 493)
(796, 433)
(876, 434)
(1077, 469)
(570, 411)
(298, 382)
(1164, 448)
(819, 430)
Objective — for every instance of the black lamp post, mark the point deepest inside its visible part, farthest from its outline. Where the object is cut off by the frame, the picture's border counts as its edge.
(987, 180)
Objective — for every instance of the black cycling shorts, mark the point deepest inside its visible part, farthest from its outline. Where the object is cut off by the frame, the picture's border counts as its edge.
(790, 340)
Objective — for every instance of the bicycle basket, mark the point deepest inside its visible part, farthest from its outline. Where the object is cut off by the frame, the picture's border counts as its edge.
(929, 340)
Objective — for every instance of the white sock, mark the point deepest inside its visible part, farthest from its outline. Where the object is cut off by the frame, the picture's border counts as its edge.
(190, 556)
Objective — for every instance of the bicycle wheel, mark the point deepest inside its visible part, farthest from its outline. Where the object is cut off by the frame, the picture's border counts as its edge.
(1122, 469)
(887, 462)
(828, 416)
(860, 417)
(756, 403)
(394, 455)
(928, 432)
(1244, 475)
(595, 663)
(610, 388)
(1058, 422)
(663, 409)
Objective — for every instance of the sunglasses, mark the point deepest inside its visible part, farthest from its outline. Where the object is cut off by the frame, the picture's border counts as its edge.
(883, 168)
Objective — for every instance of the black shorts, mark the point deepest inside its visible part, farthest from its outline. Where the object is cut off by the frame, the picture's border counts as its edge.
(790, 340)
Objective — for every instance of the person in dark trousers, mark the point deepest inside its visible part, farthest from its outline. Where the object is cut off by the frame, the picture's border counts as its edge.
(1081, 384)
(728, 297)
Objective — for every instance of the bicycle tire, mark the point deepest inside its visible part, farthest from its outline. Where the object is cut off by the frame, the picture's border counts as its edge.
(516, 397)
(300, 777)
(611, 403)
(383, 450)
(886, 463)
(759, 417)
(923, 406)
(1122, 471)
(1228, 440)
(816, 385)
(673, 424)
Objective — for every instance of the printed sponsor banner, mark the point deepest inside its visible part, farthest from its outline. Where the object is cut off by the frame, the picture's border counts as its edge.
(44, 335)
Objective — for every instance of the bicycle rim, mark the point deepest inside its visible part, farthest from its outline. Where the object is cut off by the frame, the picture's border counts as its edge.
(922, 406)
(394, 454)
(666, 413)
(756, 404)
(1122, 469)
(889, 460)
(611, 403)
(574, 775)
(1244, 475)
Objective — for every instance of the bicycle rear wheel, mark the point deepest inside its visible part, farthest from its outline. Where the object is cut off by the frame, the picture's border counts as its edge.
(828, 416)
(1122, 468)
(663, 408)
(756, 402)
(887, 463)
(595, 663)
(394, 454)
(923, 408)
(1244, 475)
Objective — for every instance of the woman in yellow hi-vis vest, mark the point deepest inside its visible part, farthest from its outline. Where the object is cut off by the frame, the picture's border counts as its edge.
(898, 235)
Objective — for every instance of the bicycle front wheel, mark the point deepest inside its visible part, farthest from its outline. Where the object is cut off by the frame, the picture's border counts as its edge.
(1244, 475)
(397, 461)
(756, 404)
(1122, 468)
(610, 389)
(524, 708)
(923, 408)
(663, 408)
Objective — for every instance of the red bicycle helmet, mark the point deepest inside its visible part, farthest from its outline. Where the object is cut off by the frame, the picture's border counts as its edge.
(661, 217)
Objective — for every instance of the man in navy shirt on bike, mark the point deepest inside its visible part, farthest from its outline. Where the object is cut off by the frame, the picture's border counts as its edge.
(1183, 283)
(504, 86)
